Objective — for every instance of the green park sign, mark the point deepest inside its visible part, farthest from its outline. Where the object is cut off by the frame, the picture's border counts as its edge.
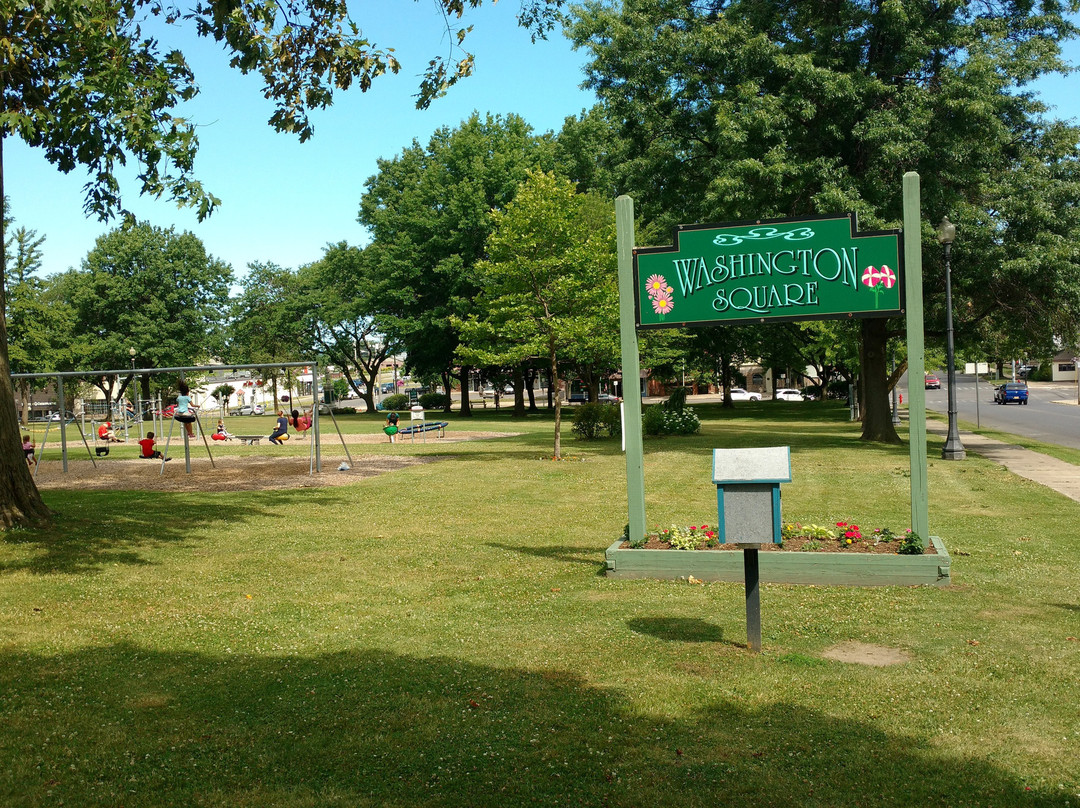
(813, 268)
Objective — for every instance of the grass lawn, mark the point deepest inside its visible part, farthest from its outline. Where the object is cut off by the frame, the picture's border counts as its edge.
(443, 636)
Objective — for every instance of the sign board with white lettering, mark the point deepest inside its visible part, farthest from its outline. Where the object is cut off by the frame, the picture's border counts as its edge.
(814, 268)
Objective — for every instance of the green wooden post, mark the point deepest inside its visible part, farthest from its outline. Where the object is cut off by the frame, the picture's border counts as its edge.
(631, 371)
(920, 497)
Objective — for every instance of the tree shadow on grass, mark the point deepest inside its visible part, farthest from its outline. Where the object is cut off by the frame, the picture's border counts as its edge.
(679, 629)
(127, 725)
(559, 552)
(94, 528)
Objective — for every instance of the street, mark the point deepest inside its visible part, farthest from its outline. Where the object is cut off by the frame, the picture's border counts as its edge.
(1040, 419)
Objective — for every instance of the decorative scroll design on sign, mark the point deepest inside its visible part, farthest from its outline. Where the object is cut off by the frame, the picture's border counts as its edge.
(762, 234)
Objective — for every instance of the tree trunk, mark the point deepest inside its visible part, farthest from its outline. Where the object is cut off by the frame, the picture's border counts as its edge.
(519, 392)
(877, 414)
(724, 360)
(531, 375)
(20, 500)
(447, 379)
(466, 406)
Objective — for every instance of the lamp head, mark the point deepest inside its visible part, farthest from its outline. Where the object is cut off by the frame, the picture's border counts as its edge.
(131, 352)
(946, 232)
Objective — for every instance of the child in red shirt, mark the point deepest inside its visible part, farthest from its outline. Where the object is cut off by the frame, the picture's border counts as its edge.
(148, 450)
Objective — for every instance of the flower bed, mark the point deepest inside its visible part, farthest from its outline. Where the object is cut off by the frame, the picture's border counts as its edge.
(845, 537)
(810, 554)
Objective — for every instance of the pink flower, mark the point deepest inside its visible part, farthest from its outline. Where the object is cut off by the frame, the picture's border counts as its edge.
(870, 277)
(886, 277)
(662, 304)
(655, 285)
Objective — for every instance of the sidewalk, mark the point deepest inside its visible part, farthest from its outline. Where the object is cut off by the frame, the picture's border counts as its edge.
(1049, 471)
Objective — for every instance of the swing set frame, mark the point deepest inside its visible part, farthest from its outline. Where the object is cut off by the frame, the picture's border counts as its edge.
(315, 463)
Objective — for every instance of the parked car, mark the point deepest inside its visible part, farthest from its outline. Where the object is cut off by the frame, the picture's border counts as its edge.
(933, 383)
(1011, 391)
(249, 409)
(787, 394)
(738, 394)
(508, 390)
(607, 398)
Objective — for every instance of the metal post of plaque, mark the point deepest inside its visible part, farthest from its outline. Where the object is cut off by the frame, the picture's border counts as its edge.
(748, 513)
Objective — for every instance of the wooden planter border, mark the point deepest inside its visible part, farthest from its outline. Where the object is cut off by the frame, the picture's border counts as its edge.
(828, 569)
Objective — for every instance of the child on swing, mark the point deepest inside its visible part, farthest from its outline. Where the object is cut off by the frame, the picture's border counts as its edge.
(183, 412)
(147, 445)
(222, 433)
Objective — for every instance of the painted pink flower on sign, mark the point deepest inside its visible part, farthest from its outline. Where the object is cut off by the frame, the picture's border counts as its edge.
(662, 304)
(660, 294)
(655, 285)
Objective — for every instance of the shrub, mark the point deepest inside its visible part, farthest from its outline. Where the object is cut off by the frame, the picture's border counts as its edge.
(589, 421)
(397, 401)
(433, 401)
(652, 420)
(612, 417)
(677, 400)
(593, 420)
(661, 420)
(681, 422)
(1043, 373)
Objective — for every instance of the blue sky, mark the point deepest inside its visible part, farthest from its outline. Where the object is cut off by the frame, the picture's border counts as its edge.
(283, 201)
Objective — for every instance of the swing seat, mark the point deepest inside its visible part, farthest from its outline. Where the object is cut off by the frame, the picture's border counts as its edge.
(101, 451)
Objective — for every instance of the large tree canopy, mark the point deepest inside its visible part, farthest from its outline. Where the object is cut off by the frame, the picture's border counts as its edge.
(745, 109)
(548, 287)
(429, 214)
(338, 306)
(151, 289)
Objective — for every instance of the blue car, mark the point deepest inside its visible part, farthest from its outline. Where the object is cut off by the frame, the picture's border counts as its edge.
(1012, 391)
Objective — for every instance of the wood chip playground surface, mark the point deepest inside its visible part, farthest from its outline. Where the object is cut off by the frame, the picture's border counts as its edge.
(261, 468)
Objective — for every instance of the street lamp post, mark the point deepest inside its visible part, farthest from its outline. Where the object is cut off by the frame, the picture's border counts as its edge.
(953, 449)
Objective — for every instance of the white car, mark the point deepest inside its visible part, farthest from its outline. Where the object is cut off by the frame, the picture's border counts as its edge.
(249, 409)
(738, 394)
(787, 394)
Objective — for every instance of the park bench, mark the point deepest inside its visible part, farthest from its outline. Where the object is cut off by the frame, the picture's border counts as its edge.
(250, 440)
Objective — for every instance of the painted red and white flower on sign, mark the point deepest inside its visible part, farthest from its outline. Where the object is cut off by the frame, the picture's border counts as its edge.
(878, 280)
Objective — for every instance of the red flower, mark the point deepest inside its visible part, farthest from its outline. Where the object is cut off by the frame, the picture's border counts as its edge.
(841, 524)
